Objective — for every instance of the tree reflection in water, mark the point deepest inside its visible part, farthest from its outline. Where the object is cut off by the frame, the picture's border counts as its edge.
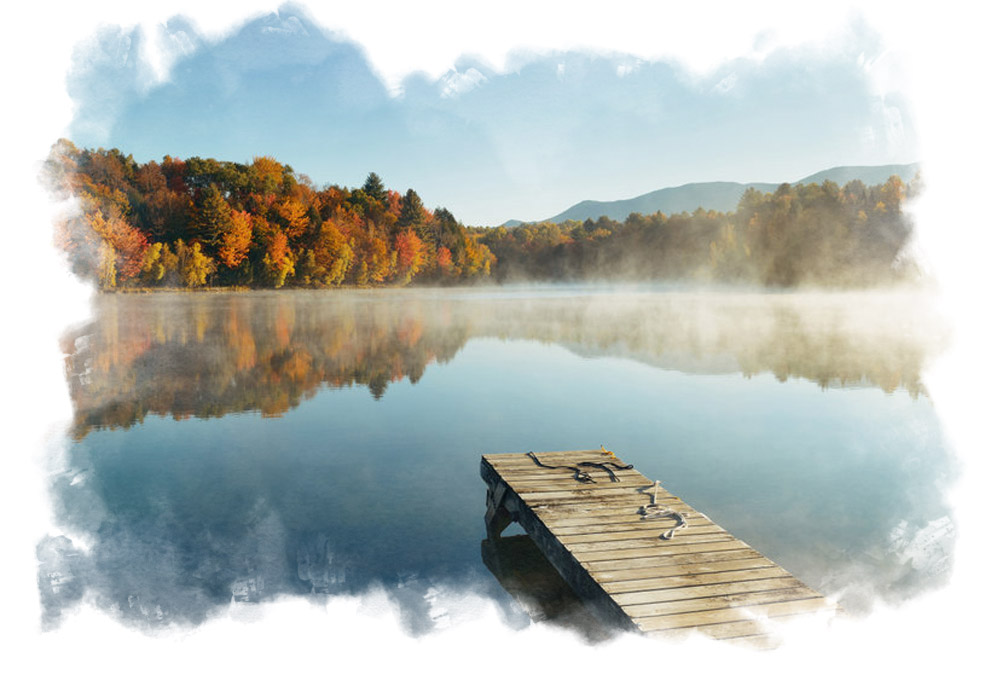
(212, 354)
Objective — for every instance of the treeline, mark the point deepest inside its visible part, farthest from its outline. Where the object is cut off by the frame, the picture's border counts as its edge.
(812, 234)
(203, 222)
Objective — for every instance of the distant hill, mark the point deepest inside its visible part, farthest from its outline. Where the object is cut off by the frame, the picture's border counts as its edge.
(869, 174)
(721, 196)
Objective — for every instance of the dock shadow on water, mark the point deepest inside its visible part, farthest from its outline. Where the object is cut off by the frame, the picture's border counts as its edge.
(523, 571)
(234, 448)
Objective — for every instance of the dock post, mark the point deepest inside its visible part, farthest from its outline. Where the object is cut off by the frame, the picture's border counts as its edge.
(498, 517)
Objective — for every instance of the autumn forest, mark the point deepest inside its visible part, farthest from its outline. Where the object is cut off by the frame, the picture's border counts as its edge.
(204, 223)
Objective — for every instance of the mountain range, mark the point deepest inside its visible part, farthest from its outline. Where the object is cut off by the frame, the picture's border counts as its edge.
(720, 196)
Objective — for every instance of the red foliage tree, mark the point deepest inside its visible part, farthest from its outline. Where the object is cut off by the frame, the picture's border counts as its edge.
(411, 256)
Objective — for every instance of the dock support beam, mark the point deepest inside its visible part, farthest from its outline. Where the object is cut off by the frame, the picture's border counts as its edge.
(500, 509)
(503, 505)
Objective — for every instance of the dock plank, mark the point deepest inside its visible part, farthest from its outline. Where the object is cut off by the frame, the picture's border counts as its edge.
(640, 536)
(702, 580)
(688, 579)
(722, 601)
(712, 562)
(732, 614)
(698, 591)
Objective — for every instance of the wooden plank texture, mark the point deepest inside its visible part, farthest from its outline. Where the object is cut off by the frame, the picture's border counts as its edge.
(702, 579)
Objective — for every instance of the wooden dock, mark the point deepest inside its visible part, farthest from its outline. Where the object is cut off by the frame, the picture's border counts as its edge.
(620, 563)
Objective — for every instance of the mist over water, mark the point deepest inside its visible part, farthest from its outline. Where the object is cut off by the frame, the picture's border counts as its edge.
(239, 447)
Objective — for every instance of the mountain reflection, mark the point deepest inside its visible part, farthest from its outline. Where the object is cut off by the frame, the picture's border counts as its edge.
(212, 354)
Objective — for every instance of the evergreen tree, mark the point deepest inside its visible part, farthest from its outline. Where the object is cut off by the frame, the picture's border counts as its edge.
(374, 188)
(412, 212)
(212, 218)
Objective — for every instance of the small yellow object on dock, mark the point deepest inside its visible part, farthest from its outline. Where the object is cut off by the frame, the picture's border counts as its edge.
(638, 555)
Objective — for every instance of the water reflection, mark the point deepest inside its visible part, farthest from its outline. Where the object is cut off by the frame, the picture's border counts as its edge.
(520, 567)
(214, 354)
(231, 448)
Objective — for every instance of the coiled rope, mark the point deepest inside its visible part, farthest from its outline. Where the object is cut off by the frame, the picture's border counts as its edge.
(658, 511)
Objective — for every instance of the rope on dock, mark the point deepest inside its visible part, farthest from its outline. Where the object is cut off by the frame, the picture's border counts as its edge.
(658, 511)
(582, 475)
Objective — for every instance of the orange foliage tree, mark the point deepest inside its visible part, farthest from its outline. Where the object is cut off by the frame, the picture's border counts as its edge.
(236, 239)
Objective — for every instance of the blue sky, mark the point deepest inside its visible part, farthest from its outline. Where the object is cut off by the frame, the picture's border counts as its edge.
(522, 141)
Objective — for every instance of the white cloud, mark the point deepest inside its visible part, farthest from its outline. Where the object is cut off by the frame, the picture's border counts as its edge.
(286, 26)
(162, 47)
(725, 84)
(455, 83)
(895, 132)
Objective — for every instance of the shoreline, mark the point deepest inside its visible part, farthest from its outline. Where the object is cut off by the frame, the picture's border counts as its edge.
(926, 285)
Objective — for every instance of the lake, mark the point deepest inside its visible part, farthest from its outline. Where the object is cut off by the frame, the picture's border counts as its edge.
(237, 447)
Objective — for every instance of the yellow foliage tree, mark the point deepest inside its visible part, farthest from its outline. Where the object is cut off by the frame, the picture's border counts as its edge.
(193, 265)
(333, 254)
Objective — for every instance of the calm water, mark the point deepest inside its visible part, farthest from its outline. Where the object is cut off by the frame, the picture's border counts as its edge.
(244, 446)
